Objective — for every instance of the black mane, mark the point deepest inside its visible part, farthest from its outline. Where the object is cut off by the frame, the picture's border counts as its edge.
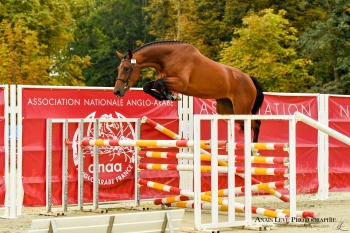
(159, 42)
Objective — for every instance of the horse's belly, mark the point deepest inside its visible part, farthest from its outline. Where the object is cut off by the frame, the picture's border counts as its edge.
(207, 91)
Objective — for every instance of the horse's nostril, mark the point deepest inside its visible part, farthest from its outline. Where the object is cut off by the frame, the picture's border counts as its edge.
(118, 93)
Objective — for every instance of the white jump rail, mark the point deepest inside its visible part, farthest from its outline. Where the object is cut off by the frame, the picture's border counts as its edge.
(154, 221)
(325, 129)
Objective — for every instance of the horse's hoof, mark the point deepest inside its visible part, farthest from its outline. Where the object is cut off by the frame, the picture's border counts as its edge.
(176, 97)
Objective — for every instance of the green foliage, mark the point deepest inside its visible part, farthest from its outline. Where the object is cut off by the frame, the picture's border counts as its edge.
(52, 24)
(205, 26)
(301, 13)
(21, 60)
(163, 17)
(264, 49)
(328, 45)
(75, 40)
(113, 25)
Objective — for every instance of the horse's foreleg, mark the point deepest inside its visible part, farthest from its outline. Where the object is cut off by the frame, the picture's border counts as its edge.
(160, 86)
(147, 88)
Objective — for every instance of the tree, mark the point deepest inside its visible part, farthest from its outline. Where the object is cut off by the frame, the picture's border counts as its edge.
(301, 13)
(205, 26)
(264, 49)
(328, 45)
(20, 55)
(164, 18)
(199, 22)
(52, 24)
(113, 25)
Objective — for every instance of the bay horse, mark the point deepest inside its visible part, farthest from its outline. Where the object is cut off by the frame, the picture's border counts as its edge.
(181, 68)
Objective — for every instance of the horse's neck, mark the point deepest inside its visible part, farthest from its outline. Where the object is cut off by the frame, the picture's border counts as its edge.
(152, 57)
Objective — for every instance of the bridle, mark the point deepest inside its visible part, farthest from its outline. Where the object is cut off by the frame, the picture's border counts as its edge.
(133, 65)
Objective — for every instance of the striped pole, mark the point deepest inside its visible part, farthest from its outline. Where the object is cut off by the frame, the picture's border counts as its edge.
(240, 209)
(204, 206)
(240, 145)
(263, 146)
(255, 188)
(221, 169)
(255, 181)
(167, 200)
(222, 163)
(207, 198)
(207, 206)
(205, 144)
(301, 214)
(207, 157)
(224, 192)
(161, 128)
(164, 167)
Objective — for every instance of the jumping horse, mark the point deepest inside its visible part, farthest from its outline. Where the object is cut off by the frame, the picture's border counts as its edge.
(181, 68)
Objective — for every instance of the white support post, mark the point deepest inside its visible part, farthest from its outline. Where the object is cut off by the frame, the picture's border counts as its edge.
(214, 171)
(197, 174)
(231, 174)
(292, 168)
(65, 166)
(19, 189)
(13, 153)
(185, 110)
(247, 171)
(81, 167)
(95, 190)
(323, 150)
(48, 165)
(10, 172)
(137, 170)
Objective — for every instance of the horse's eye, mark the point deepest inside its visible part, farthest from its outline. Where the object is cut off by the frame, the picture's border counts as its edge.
(126, 69)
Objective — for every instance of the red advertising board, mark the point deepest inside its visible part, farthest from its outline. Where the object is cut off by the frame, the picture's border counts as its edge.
(276, 131)
(3, 137)
(116, 168)
(339, 154)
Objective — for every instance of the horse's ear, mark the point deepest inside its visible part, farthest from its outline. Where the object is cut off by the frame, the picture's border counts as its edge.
(130, 54)
(121, 56)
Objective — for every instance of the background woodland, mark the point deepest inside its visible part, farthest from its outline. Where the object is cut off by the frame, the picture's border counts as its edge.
(290, 46)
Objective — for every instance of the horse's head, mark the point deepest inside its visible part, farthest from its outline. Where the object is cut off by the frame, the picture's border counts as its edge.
(127, 74)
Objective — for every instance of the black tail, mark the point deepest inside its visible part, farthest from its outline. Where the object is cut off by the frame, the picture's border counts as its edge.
(259, 96)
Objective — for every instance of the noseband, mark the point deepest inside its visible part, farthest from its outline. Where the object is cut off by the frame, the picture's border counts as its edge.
(133, 64)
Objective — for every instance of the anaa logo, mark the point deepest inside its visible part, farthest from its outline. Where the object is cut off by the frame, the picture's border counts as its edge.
(115, 163)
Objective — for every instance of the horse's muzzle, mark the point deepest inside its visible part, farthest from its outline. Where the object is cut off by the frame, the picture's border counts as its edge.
(119, 93)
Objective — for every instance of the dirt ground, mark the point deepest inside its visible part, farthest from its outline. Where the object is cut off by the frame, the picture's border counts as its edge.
(336, 207)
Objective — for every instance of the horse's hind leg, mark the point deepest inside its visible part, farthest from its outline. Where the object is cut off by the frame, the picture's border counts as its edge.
(225, 106)
(256, 129)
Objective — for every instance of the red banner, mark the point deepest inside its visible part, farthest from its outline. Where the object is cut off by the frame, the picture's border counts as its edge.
(116, 165)
(275, 131)
(339, 160)
(3, 137)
